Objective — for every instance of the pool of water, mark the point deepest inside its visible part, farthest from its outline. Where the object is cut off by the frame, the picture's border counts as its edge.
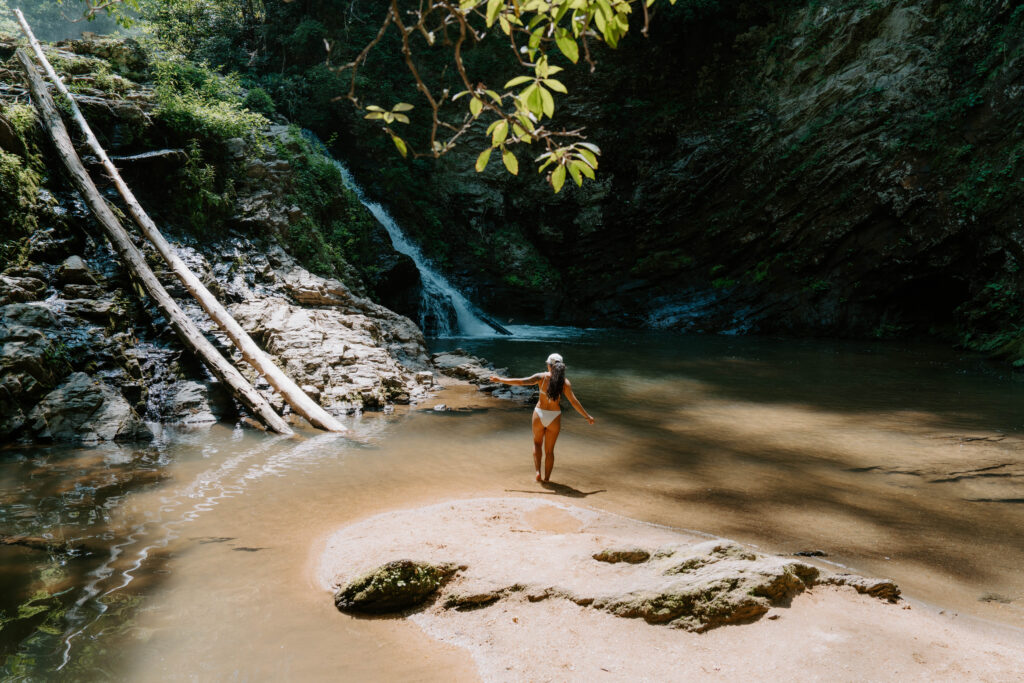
(192, 559)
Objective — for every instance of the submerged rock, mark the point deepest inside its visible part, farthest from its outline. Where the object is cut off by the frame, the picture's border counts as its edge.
(85, 410)
(460, 365)
(393, 587)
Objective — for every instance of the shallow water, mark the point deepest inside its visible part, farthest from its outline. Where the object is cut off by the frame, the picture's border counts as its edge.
(894, 460)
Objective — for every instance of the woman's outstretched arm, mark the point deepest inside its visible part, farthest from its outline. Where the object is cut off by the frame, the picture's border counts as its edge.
(523, 381)
(576, 402)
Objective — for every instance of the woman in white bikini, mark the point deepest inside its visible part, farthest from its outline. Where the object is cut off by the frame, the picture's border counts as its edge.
(547, 422)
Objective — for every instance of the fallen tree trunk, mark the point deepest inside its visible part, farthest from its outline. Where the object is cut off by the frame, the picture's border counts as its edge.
(185, 328)
(299, 400)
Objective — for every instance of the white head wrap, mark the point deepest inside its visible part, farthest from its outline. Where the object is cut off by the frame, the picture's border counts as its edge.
(554, 358)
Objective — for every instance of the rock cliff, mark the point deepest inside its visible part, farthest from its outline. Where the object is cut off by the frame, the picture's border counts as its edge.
(828, 167)
(85, 358)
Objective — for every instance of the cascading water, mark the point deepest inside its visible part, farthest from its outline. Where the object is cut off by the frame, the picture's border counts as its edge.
(444, 311)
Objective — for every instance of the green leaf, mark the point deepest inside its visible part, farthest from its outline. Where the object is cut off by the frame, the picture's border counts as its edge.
(500, 133)
(402, 106)
(568, 46)
(555, 85)
(494, 96)
(521, 133)
(541, 68)
(401, 118)
(374, 107)
(511, 163)
(494, 7)
(575, 172)
(535, 101)
(400, 144)
(547, 101)
(558, 178)
(518, 80)
(587, 170)
(588, 157)
(481, 161)
(476, 105)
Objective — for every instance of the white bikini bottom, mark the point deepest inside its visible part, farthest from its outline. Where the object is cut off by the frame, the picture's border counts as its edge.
(546, 416)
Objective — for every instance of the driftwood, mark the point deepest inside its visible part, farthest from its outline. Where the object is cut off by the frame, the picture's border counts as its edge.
(185, 328)
(299, 400)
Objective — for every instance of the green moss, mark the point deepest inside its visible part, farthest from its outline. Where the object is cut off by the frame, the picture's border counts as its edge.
(20, 182)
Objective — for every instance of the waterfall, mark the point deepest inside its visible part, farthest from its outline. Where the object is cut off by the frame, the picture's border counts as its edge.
(444, 311)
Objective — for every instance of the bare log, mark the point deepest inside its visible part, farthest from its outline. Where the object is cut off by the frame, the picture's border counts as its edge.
(299, 400)
(185, 328)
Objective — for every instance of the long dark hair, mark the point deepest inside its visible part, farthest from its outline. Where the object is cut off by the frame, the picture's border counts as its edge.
(557, 380)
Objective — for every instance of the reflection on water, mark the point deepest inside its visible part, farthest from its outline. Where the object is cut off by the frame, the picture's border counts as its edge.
(191, 558)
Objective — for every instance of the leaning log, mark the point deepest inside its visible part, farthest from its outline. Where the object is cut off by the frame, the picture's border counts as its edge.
(185, 328)
(299, 400)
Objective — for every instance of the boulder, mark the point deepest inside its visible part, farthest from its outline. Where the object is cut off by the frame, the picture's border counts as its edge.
(393, 587)
(30, 364)
(189, 403)
(85, 410)
(20, 289)
(75, 271)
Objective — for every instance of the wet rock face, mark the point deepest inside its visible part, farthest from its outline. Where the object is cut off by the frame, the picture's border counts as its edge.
(350, 352)
(84, 410)
(816, 167)
(396, 586)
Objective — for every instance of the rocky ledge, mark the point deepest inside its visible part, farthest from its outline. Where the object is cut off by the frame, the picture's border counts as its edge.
(592, 559)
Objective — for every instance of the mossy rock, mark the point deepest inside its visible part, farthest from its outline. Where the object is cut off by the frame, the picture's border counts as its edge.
(393, 587)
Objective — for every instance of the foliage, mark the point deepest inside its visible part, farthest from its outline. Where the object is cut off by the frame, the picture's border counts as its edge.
(197, 103)
(259, 101)
(521, 112)
(335, 230)
(202, 198)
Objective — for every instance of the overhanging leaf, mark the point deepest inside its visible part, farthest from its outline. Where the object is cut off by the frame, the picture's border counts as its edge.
(481, 161)
(510, 161)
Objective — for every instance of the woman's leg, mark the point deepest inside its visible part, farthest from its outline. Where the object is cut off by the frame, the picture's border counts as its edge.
(550, 437)
(538, 440)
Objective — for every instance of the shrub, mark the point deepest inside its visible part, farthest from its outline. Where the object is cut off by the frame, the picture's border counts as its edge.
(196, 103)
(259, 101)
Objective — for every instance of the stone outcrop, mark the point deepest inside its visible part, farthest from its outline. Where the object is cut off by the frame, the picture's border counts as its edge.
(595, 560)
(84, 410)
(396, 586)
(463, 366)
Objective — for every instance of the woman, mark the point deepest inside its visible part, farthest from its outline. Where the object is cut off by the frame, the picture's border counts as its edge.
(547, 416)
